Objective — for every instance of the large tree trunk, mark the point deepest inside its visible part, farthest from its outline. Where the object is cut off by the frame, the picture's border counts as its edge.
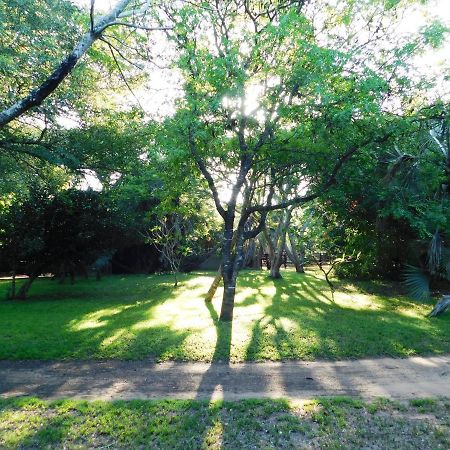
(229, 293)
(275, 270)
(218, 278)
(232, 261)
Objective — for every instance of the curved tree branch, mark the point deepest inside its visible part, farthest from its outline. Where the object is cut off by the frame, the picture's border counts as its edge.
(38, 95)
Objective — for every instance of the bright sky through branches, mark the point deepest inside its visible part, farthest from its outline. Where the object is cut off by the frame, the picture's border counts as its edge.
(432, 62)
(157, 95)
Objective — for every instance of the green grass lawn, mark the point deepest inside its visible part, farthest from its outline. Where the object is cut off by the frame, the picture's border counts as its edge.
(134, 317)
(250, 424)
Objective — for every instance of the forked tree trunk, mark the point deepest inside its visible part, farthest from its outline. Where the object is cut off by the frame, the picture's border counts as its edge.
(23, 291)
(275, 272)
(275, 266)
(218, 278)
(251, 254)
(297, 256)
(278, 245)
(232, 256)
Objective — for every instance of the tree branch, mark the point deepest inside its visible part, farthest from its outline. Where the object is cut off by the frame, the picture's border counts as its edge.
(122, 74)
(138, 27)
(38, 95)
(91, 15)
(203, 169)
(298, 200)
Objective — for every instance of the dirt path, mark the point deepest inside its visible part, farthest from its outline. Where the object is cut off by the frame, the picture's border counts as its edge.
(367, 378)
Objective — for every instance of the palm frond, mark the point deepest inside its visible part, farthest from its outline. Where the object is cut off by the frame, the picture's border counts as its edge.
(417, 283)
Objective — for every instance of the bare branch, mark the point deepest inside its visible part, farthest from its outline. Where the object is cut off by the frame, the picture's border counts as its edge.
(298, 200)
(139, 27)
(91, 15)
(122, 74)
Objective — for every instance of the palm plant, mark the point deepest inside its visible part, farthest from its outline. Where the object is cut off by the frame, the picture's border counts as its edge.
(421, 280)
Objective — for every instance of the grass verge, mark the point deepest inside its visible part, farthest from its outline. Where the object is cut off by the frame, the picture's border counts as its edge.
(248, 424)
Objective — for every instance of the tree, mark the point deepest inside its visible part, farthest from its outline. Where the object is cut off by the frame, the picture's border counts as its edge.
(57, 232)
(169, 239)
(266, 103)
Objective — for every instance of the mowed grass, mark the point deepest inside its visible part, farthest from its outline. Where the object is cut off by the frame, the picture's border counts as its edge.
(138, 317)
(249, 424)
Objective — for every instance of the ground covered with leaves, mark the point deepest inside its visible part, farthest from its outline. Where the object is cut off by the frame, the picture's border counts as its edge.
(248, 424)
(144, 316)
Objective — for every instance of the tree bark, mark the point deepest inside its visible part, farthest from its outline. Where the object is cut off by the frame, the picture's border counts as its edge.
(278, 245)
(23, 291)
(214, 285)
(232, 261)
(275, 269)
(297, 257)
(249, 260)
(229, 293)
(38, 95)
(218, 278)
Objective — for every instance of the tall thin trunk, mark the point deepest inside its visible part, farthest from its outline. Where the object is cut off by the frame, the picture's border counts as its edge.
(12, 294)
(214, 285)
(297, 257)
(23, 291)
(279, 244)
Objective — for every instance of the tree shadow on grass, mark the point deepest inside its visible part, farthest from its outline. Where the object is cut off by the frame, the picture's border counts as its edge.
(119, 323)
(233, 423)
(176, 424)
(302, 323)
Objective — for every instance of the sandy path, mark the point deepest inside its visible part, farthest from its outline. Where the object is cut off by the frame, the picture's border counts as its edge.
(367, 378)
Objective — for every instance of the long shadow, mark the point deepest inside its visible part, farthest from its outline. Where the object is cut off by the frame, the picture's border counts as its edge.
(302, 323)
(113, 322)
(220, 381)
(146, 424)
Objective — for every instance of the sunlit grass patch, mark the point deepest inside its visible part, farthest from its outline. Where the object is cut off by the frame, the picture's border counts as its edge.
(144, 316)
